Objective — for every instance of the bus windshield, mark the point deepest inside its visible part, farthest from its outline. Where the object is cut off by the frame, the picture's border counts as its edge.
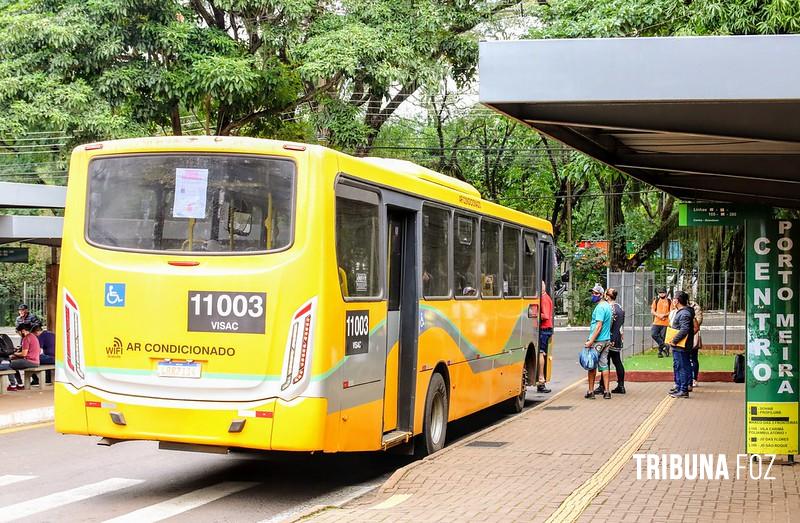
(189, 202)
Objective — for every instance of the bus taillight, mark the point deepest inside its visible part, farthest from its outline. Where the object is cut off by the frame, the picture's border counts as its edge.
(298, 345)
(73, 351)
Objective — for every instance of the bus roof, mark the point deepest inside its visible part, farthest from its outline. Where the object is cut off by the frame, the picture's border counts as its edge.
(412, 172)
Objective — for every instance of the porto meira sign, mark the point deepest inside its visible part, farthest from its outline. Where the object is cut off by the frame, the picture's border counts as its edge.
(772, 335)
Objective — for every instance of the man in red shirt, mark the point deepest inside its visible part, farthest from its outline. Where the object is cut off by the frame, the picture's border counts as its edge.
(26, 357)
(545, 332)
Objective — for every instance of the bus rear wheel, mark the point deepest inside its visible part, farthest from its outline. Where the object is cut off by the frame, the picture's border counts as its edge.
(515, 405)
(434, 423)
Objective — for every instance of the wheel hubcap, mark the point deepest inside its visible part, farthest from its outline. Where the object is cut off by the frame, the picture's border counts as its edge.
(437, 418)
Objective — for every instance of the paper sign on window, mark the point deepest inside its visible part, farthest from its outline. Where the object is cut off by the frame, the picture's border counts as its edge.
(190, 193)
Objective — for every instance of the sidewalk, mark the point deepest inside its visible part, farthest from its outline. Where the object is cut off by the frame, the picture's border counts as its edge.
(571, 460)
(24, 406)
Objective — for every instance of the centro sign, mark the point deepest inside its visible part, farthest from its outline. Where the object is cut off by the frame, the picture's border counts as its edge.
(241, 312)
(772, 336)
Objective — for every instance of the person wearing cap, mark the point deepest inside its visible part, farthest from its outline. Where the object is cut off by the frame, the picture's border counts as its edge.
(660, 309)
(26, 316)
(599, 339)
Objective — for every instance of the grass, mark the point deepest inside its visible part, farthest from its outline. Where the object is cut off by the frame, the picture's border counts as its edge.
(709, 361)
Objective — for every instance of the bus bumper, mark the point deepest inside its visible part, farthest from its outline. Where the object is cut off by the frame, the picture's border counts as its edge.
(298, 425)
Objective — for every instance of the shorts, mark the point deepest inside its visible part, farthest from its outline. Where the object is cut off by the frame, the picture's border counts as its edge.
(602, 349)
(544, 340)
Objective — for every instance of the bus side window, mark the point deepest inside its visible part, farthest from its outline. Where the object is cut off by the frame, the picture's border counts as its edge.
(465, 259)
(529, 279)
(357, 239)
(490, 258)
(435, 244)
(510, 261)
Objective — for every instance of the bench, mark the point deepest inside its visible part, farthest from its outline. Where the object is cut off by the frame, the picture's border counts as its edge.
(40, 373)
(4, 381)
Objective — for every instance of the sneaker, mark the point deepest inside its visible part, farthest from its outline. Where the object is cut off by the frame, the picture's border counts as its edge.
(12, 388)
(599, 390)
(607, 396)
(694, 383)
(689, 388)
(619, 389)
(660, 354)
(672, 390)
(589, 395)
(680, 394)
(543, 389)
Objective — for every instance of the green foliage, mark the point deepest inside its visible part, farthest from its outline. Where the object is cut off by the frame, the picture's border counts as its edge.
(110, 68)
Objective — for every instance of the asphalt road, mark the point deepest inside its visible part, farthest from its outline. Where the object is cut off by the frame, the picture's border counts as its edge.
(51, 477)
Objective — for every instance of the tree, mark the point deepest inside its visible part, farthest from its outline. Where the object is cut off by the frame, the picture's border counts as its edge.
(105, 68)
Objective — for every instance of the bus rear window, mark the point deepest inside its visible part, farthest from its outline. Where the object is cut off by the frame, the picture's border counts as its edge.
(191, 203)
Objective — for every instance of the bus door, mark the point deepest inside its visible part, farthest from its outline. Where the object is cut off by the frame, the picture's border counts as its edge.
(401, 325)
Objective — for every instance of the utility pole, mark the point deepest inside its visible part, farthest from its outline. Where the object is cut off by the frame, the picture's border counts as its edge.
(568, 303)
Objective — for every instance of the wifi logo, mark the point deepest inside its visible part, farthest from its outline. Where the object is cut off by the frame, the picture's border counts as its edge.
(115, 350)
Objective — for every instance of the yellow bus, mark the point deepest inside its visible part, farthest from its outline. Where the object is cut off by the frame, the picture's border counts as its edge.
(225, 293)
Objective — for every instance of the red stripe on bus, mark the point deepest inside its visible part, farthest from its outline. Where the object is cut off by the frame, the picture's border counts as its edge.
(93, 404)
(305, 310)
(69, 300)
(263, 414)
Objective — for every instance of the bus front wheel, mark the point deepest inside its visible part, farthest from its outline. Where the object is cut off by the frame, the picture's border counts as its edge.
(434, 423)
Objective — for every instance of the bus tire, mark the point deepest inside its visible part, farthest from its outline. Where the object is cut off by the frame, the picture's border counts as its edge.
(515, 405)
(434, 422)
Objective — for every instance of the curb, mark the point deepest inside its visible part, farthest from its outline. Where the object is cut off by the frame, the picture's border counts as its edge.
(640, 376)
(399, 473)
(26, 417)
(316, 509)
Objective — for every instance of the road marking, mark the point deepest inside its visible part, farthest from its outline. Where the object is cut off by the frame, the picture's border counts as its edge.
(26, 427)
(191, 500)
(393, 501)
(59, 499)
(320, 503)
(10, 479)
(572, 507)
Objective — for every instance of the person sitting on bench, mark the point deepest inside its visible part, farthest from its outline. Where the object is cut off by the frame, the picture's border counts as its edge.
(47, 341)
(26, 357)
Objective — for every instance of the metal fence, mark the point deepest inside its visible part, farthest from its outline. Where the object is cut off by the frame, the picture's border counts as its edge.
(720, 295)
(34, 295)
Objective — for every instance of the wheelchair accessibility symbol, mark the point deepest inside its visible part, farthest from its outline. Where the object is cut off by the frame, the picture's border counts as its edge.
(115, 295)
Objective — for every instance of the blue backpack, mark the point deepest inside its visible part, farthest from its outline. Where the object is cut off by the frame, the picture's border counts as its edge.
(588, 358)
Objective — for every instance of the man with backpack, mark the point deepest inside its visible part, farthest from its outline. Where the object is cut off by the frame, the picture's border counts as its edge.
(660, 309)
(681, 338)
(599, 340)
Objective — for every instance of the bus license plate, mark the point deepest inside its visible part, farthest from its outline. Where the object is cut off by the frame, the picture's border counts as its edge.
(178, 369)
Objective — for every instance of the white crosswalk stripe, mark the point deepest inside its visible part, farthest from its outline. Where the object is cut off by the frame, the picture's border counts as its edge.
(59, 499)
(172, 507)
(10, 479)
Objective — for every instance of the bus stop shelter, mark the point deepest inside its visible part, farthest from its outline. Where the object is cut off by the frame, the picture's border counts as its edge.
(39, 230)
(702, 118)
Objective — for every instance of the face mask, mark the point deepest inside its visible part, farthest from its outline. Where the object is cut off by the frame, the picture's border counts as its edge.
(595, 298)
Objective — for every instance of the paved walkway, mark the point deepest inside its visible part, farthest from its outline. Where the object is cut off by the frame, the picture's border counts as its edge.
(571, 460)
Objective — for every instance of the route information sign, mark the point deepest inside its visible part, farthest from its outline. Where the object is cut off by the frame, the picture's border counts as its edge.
(771, 374)
(698, 214)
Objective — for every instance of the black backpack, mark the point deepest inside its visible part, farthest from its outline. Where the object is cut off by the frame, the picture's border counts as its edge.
(6, 346)
(738, 368)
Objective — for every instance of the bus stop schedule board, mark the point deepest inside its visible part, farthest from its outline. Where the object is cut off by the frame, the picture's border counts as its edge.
(700, 214)
(771, 374)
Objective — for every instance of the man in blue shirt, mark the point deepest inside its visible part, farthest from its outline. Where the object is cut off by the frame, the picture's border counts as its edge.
(600, 339)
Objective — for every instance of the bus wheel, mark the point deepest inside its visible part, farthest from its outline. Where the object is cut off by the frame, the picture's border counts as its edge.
(434, 424)
(514, 405)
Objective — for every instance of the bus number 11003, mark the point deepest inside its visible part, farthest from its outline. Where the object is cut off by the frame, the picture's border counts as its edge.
(212, 311)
